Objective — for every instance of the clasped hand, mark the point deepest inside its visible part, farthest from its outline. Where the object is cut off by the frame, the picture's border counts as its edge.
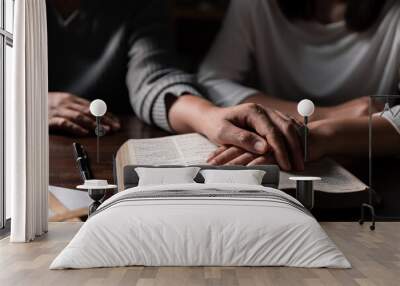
(251, 135)
(243, 128)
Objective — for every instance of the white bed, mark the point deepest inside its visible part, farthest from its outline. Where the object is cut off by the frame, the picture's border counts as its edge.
(201, 225)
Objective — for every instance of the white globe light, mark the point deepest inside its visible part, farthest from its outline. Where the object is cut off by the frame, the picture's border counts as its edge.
(306, 108)
(98, 107)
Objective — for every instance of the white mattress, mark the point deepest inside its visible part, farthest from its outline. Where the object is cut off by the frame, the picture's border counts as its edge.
(201, 225)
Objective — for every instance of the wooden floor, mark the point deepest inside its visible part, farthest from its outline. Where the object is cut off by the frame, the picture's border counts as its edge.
(375, 257)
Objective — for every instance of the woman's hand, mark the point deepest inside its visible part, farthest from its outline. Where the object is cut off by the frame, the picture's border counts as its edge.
(71, 114)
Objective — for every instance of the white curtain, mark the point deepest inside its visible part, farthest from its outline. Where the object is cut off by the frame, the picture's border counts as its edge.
(27, 124)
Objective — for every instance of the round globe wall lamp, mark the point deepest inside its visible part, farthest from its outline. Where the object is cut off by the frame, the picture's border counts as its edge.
(98, 108)
(306, 108)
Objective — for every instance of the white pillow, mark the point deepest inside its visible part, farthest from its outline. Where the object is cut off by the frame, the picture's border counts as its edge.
(166, 176)
(243, 177)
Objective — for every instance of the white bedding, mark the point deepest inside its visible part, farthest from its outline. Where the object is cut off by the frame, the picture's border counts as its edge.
(201, 225)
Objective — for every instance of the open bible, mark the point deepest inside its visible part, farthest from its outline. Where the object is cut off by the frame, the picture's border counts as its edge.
(193, 149)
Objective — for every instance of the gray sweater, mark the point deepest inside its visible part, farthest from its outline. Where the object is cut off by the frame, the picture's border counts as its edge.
(120, 52)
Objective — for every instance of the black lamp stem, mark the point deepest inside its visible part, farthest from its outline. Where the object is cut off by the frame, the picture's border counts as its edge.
(305, 139)
(98, 138)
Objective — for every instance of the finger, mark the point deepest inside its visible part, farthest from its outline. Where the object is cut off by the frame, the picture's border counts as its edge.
(84, 103)
(63, 124)
(111, 121)
(112, 116)
(108, 119)
(80, 100)
(287, 117)
(287, 127)
(258, 119)
(227, 156)
(297, 124)
(79, 107)
(243, 159)
(216, 153)
(244, 139)
(263, 160)
(78, 118)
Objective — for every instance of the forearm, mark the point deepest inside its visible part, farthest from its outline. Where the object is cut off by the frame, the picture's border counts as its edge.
(284, 106)
(350, 136)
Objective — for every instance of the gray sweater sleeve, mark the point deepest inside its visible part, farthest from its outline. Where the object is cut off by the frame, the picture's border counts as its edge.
(152, 69)
(227, 66)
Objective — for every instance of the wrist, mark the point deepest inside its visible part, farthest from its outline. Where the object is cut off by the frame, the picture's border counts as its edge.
(324, 138)
(189, 113)
(204, 117)
(322, 113)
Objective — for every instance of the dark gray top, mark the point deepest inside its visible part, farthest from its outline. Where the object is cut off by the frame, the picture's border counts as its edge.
(119, 51)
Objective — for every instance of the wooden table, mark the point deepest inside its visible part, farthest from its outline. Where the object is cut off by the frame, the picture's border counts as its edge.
(375, 257)
(63, 171)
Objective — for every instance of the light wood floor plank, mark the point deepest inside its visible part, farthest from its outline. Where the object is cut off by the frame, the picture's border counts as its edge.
(375, 257)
